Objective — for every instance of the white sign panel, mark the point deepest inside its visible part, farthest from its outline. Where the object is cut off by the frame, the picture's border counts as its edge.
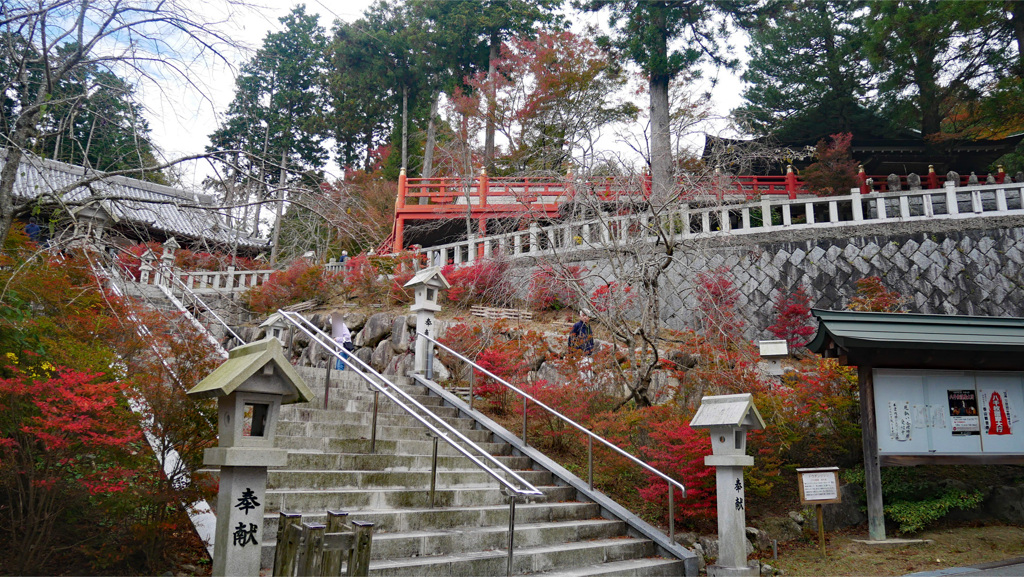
(948, 412)
(820, 486)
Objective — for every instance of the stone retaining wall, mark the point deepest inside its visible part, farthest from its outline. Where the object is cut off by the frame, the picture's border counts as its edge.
(939, 267)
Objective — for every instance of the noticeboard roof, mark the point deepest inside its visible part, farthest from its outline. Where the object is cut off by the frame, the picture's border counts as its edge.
(904, 340)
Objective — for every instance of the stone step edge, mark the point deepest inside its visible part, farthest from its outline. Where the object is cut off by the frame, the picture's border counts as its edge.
(608, 506)
(503, 553)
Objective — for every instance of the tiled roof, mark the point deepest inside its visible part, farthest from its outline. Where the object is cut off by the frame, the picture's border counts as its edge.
(130, 201)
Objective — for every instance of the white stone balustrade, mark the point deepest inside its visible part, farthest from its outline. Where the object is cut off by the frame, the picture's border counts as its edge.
(706, 222)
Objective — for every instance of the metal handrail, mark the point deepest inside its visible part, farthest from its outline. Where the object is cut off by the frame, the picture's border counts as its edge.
(591, 436)
(322, 339)
(185, 290)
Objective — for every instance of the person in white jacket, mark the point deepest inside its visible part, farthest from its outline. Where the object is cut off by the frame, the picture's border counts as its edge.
(344, 339)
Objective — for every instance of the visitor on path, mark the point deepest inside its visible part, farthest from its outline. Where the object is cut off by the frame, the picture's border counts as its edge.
(344, 340)
(33, 230)
(582, 338)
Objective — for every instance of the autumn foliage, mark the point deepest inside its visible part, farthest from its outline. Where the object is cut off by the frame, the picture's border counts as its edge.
(81, 490)
(793, 322)
(302, 281)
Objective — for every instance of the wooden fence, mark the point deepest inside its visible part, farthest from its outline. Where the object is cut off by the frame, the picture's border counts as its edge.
(314, 549)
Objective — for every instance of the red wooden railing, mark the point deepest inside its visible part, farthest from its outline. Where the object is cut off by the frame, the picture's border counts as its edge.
(495, 197)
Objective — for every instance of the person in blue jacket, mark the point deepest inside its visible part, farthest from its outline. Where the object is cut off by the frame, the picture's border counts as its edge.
(582, 338)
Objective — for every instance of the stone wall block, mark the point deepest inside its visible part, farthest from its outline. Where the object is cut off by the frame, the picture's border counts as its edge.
(400, 335)
(377, 328)
(382, 355)
(797, 257)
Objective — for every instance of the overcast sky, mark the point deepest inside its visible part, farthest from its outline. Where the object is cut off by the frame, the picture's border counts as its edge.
(182, 117)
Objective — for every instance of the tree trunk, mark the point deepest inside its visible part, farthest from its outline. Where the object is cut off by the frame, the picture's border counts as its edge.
(428, 149)
(279, 209)
(428, 152)
(405, 126)
(661, 142)
(491, 104)
(8, 176)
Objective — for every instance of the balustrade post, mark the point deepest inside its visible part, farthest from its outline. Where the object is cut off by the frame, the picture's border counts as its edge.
(534, 237)
(951, 204)
(858, 208)
(766, 213)
(403, 184)
(791, 183)
(483, 186)
(932, 178)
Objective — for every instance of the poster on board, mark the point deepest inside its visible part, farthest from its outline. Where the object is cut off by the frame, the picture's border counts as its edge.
(996, 412)
(963, 412)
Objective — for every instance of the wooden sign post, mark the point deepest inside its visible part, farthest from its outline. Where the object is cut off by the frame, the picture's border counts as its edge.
(818, 487)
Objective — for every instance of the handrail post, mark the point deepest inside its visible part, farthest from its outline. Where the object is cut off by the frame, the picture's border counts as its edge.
(472, 382)
(590, 461)
(524, 421)
(511, 531)
(373, 424)
(433, 471)
(671, 512)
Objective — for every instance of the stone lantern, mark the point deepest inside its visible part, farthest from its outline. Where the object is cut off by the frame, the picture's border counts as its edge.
(728, 418)
(276, 326)
(772, 354)
(250, 388)
(427, 286)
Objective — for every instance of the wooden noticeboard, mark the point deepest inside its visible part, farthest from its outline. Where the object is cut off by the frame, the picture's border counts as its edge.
(819, 486)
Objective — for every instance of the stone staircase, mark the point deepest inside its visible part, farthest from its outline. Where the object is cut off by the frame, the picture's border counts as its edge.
(466, 532)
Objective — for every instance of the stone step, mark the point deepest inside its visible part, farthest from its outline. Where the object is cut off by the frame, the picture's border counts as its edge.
(378, 480)
(321, 500)
(345, 405)
(422, 519)
(324, 428)
(524, 560)
(355, 400)
(647, 567)
(433, 543)
(382, 462)
(385, 446)
(385, 430)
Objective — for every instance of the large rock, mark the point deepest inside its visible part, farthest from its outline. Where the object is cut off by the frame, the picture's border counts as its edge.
(1007, 504)
(382, 355)
(400, 338)
(781, 529)
(354, 321)
(848, 513)
(363, 354)
(377, 328)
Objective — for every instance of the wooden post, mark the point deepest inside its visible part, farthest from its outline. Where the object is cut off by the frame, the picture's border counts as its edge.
(872, 470)
(862, 180)
(483, 186)
(359, 562)
(821, 530)
(791, 182)
(333, 558)
(311, 549)
(403, 181)
(287, 543)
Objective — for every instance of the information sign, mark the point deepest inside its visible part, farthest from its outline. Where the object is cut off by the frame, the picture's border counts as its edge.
(819, 486)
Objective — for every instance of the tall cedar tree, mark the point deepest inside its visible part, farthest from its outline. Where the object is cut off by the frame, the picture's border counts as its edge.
(276, 116)
(932, 56)
(647, 32)
(807, 75)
